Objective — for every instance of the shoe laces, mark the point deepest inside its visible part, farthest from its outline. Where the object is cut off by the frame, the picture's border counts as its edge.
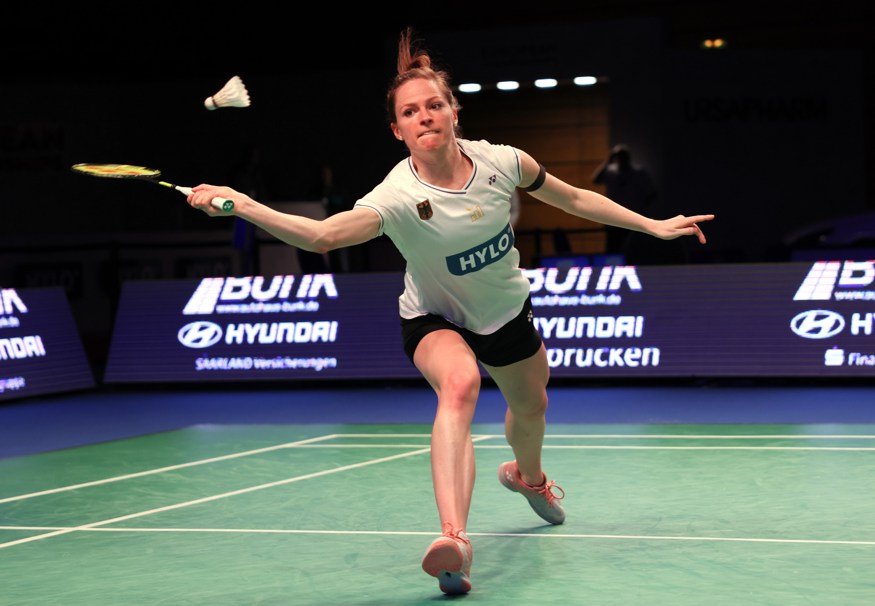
(548, 490)
(455, 533)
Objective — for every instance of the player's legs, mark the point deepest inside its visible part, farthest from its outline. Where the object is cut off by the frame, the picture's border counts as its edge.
(524, 386)
(450, 367)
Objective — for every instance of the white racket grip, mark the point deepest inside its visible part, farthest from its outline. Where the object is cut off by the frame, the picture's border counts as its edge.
(218, 203)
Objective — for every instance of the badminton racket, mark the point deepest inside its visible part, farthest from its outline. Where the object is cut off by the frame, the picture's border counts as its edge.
(141, 173)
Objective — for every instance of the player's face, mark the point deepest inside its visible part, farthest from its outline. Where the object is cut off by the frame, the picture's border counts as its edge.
(424, 119)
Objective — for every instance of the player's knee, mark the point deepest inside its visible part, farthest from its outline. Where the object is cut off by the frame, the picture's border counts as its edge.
(461, 385)
(534, 405)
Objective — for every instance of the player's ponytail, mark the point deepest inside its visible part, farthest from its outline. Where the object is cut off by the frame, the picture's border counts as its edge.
(416, 63)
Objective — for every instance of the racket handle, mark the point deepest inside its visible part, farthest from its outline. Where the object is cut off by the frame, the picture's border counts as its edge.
(222, 204)
(218, 203)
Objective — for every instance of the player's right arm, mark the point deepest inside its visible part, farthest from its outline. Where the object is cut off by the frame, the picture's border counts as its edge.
(346, 228)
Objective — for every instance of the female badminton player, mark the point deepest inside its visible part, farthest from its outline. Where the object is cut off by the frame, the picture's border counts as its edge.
(446, 207)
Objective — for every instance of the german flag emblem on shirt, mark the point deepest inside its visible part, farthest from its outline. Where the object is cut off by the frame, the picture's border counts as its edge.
(425, 211)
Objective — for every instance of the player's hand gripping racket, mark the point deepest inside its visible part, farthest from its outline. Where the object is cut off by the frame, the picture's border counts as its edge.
(128, 171)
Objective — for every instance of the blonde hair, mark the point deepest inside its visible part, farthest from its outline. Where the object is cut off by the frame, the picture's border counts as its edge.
(413, 64)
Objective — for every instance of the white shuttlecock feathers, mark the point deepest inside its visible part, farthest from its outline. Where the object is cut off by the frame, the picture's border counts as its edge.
(233, 94)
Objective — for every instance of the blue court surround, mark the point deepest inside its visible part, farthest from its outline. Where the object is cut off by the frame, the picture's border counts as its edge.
(74, 419)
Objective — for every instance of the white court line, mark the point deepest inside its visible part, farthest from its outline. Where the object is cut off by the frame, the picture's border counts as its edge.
(213, 497)
(606, 447)
(708, 437)
(312, 443)
(630, 436)
(552, 535)
(206, 499)
(169, 468)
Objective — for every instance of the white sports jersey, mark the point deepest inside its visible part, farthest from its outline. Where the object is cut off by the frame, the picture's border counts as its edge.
(458, 244)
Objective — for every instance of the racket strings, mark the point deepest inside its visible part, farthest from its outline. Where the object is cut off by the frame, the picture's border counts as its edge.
(116, 170)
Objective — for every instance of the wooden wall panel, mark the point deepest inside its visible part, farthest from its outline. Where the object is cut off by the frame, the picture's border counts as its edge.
(571, 139)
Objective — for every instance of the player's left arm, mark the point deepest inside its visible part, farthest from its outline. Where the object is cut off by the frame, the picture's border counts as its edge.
(594, 206)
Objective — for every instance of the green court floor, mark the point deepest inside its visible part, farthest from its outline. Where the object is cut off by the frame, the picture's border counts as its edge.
(327, 515)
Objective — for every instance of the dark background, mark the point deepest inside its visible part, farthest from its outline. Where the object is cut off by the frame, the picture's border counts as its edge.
(773, 133)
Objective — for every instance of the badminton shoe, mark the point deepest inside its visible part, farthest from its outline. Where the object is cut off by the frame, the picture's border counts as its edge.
(448, 559)
(544, 499)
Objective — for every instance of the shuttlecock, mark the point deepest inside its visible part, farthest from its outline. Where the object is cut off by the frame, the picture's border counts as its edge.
(233, 94)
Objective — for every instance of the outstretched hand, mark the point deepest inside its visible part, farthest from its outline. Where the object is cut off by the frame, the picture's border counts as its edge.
(669, 229)
(202, 195)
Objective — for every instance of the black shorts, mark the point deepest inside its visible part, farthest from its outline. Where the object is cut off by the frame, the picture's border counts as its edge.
(515, 341)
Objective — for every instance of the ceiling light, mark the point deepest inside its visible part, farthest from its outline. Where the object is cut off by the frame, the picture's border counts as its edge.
(585, 80)
(469, 87)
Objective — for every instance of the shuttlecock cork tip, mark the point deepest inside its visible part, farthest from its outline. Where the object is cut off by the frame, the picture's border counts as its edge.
(233, 94)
